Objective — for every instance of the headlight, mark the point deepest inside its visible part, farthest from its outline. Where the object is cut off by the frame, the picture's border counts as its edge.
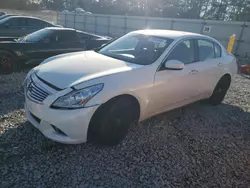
(78, 98)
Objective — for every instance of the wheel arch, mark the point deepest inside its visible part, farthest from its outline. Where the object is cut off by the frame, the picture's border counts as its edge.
(95, 116)
(135, 100)
(8, 51)
(227, 77)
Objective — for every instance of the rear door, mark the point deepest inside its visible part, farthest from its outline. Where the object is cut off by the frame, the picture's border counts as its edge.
(208, 66)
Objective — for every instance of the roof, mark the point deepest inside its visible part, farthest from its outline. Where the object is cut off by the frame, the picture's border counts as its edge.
(60, 28)
(19, 16)
(166, 33)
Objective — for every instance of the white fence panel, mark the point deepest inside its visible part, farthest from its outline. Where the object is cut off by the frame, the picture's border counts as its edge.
(112, 25)
(187, 25)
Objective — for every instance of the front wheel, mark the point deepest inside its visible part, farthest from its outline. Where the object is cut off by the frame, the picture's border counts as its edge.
(113, 120)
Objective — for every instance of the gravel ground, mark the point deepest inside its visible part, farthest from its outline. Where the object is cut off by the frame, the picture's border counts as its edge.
(197, 146)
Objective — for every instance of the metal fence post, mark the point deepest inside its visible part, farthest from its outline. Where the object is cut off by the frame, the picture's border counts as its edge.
(74, 21)
(95, 24)
(203, 23)
(65, 20)
(108, 25)
(240, 37)
(146, 22)
(57, 17)
(172, 24)
(84, 23)
(125, 25)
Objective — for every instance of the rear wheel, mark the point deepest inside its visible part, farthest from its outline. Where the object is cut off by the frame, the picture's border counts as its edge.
(7, 63)
(220, 90)
(112, 121)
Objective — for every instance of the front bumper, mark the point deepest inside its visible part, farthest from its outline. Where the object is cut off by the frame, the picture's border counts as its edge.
(73, 123)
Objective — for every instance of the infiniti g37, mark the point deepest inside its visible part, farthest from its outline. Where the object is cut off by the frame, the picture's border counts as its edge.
(98, 94)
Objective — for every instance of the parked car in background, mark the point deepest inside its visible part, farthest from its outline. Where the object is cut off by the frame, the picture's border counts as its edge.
(6, 15)
(2, 13)
(18, 26)
(99, 94)
(88, 13)
(80, 10)
(34, 48)
(47, 11)
(65, 11)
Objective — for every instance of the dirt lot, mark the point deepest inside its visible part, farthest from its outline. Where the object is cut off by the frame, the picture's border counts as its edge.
(197, 146)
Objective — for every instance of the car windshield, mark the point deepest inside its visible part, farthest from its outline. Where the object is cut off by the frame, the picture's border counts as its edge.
(137, 48)
(36, 36)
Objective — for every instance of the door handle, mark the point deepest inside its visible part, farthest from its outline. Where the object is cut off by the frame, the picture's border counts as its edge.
(219, 64)
(23, 28)
(193, 71)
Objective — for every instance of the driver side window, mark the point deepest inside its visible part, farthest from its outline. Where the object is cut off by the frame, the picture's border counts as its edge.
(184, 52)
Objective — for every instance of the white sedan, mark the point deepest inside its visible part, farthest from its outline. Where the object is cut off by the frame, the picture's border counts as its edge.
(98, 94)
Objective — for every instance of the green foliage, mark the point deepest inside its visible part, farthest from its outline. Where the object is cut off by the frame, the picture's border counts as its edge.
(238, 10)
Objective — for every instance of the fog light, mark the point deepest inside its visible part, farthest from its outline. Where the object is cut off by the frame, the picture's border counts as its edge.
(58, 130)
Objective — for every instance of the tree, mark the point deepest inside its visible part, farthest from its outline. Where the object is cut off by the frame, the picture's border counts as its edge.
(238, 10)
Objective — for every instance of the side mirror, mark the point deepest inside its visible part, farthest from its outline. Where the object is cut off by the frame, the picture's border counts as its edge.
(174, 65)
(6, 25)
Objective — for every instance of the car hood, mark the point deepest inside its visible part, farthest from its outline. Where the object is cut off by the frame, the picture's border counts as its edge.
(67, 70)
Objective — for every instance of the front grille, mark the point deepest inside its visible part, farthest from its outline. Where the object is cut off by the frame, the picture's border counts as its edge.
(36, 92)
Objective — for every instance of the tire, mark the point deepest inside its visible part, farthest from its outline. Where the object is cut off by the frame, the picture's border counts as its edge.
(111, 122)
(8, 63)
(220, 91)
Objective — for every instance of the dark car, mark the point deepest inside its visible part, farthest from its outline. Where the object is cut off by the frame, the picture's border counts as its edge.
(18, 26)
(32, 49)
(2, 13)
(6, 15)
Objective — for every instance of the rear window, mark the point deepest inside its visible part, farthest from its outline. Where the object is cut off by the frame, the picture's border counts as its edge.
(206, 50)
(65, 36)
(36, 22)
(217, 50)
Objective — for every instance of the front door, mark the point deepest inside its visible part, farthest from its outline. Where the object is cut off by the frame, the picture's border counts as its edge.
(174, 88)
